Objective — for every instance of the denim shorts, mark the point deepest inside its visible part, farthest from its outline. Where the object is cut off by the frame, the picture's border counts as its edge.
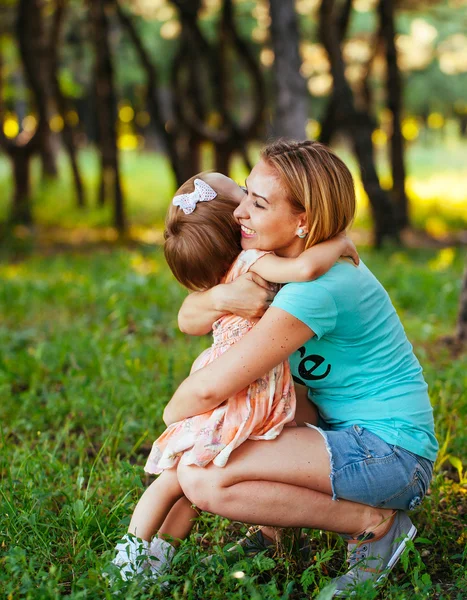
(368, 470)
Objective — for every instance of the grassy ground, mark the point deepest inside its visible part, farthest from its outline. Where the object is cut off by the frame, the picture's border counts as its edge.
(90, 353)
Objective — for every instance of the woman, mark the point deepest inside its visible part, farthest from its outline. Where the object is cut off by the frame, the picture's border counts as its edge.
(375, 449)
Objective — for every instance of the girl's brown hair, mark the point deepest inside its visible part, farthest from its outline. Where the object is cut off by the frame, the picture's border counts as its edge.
(201, 247)
(317, 182)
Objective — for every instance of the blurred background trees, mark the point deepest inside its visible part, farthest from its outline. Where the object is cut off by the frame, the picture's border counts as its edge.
(206, 83)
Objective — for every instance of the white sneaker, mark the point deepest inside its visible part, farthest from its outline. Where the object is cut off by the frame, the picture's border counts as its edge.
(132, 556)
(159, 556)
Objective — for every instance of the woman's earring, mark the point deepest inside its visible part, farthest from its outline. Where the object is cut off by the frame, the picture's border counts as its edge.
(301, 233)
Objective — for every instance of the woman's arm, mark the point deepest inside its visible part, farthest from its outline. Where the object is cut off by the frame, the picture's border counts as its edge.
(270, 342)
(249, 296)
(309, 265)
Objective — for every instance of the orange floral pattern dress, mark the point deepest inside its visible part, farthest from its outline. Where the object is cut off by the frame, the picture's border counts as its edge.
(258, 412)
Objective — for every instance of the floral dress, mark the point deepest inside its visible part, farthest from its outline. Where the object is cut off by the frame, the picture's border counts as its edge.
(258, 412)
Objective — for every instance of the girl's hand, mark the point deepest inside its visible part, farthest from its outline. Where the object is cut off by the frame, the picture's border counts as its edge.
(348, 248)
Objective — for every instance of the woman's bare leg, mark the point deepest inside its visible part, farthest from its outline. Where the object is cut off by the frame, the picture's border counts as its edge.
(284, 483)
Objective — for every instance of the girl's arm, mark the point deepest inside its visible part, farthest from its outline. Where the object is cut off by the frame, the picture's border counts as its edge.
(309, 265)
(248, 297)
(269, 343)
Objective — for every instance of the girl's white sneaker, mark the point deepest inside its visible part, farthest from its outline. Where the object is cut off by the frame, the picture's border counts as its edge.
(160, 554)
(132, 556)
(136, 556)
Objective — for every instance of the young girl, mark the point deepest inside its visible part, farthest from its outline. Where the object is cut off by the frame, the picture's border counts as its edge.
(202, 248)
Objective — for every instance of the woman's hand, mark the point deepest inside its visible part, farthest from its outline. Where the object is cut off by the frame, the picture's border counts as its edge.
(249, 296)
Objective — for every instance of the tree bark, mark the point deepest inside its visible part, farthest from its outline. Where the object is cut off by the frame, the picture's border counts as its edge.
(34, 53)
(21, 208)
(110, 184)
(154, 103)
(251, 127)
(21, 149)
(187, 137)
(328, 126)
(359, 126)
(394, 100)
(63, 107)
(461, 327)
(291, 94)
(229, 136)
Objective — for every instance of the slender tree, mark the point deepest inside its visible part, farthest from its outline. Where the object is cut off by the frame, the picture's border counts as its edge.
(230, 42)
(394, 101)
(62, 104)
(106, 104)
(359, 126)
(329, 123)
(159, 120)
(291, 94)
(30, 35)
(20, 151)
(35, 56)
(461, 327)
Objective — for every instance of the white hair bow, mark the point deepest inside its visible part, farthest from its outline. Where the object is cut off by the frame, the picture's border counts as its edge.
(202, 193)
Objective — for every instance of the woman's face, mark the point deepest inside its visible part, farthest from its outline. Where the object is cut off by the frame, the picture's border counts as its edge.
(266, 219)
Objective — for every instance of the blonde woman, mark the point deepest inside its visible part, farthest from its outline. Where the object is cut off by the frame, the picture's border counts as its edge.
(375, 446)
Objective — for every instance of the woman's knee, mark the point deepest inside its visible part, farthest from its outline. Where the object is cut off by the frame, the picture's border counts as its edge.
(201, 486)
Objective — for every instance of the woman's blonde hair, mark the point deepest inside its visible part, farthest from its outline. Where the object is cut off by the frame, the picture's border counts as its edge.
(316, 181)
(200, 247)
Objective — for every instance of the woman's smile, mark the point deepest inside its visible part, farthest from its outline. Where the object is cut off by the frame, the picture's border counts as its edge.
(246, 232)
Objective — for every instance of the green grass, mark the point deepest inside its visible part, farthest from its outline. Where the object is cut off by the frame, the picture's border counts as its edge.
(90, 354)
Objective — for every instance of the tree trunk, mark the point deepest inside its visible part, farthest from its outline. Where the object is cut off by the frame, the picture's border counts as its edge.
(291, 94)
(20, 212)
(34, 52)
(328, 126)
(107, 112)
(253, 126)
(223, 156)
(198, 53)
(359, 126)
(154, 103)
(461, 327)
(21, 150)
(394, 99)
(63, 107)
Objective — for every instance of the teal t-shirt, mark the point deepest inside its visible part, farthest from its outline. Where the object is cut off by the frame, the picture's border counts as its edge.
(360, 367)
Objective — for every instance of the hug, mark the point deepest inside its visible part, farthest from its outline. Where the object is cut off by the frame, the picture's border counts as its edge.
(310, 408)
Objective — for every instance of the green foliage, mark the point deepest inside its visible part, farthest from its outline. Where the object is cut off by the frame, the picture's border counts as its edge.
(90, 354)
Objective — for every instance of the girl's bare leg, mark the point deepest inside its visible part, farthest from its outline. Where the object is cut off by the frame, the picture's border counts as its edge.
(283, 483)
(179, 522)
(155, 505)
